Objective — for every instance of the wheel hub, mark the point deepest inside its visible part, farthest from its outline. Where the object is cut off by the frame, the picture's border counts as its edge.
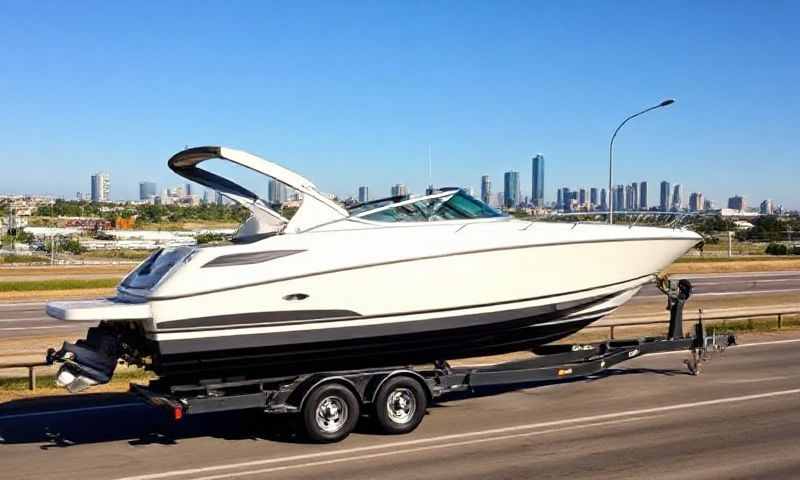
(331, 414)
(401, 405)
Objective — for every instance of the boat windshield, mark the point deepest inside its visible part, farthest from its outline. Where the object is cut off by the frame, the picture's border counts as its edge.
(458, 206)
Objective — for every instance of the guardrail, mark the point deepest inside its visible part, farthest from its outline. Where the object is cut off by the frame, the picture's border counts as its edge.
(779, 316)
(31, 371)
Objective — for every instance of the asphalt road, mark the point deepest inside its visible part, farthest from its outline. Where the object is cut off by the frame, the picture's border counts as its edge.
(647, 419)
(29, 319)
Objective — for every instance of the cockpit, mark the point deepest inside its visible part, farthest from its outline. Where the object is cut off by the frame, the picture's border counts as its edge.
(445, 204)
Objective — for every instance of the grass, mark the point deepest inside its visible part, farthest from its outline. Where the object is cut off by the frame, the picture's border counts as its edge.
(13, 258)
(47, 383)
(117, 254)
(59, 284)
(762, 258)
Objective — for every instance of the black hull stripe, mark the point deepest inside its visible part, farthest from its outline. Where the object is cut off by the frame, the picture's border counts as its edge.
(416, 259)
(527, 317)
(229, 321)
(399, 349)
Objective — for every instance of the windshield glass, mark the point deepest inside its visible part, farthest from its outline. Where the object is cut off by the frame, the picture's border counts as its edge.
(458, 206)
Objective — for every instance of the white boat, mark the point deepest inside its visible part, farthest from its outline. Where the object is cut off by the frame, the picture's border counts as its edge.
(395, 281)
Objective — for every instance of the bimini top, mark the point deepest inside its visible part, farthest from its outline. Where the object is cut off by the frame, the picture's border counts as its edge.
(316, 208)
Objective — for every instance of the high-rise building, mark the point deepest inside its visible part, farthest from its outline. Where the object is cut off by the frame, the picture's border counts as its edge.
(664, 203)
(618, 199)
(634, 200)
(737, 202)
(101, 187)
(537, 184)
(511, 184)
(276, 192)
(499, 199)
(206, 197)
(677, 198)
(582, 197)
(399, 190)
(147, 190)
(565, 199)
(486, 189)
(766, 207)
(363, 194)
(708, 205)
(643, 196)
(593, 196)
(220, 200)
(559, 199)
(603, 200)
(696, 202)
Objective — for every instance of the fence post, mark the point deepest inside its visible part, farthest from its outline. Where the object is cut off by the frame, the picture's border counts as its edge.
(31, 378)
(611, 327)
(780, 321)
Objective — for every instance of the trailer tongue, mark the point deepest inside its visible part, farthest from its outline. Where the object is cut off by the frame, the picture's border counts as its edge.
(330, 403)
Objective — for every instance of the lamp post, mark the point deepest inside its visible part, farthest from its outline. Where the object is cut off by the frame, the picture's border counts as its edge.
(611, 155)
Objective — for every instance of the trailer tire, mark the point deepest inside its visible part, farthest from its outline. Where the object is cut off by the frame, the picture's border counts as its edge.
(330, 412)
(400, 405)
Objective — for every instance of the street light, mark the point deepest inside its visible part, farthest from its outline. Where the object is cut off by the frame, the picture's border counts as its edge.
(669, 101)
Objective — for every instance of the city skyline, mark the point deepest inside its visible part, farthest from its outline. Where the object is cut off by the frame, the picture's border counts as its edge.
(374, 121)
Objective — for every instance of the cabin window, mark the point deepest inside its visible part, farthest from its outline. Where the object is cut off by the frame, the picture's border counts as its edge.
(458, 206)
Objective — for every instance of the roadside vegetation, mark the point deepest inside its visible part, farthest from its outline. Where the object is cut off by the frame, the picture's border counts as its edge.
(57, 284)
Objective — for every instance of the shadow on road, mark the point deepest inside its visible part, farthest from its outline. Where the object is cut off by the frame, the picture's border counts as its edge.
(70, 420)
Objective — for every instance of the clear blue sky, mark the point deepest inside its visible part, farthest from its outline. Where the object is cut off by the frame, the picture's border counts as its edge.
(351, 93)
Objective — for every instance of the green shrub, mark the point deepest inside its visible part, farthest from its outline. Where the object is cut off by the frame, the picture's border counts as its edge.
(777, 249)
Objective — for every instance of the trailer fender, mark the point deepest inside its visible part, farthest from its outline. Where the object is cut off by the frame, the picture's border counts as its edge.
(301, 392)
(377, 382)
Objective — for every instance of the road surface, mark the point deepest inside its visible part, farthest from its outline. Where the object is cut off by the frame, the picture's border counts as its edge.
(29, 319)
(647, 419)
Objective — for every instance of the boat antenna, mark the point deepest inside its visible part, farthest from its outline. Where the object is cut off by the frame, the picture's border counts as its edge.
(430, 176)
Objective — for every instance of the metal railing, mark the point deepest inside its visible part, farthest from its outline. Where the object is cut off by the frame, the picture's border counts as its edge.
(31, 371)
(779, 317)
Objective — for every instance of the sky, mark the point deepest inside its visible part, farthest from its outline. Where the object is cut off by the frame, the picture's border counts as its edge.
(358, 93)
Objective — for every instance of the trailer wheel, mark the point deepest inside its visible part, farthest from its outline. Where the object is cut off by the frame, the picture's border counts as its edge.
(400, 405)
(330, 413)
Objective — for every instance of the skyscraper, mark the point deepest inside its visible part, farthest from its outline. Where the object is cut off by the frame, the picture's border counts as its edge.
(276, 192)
(511, 184)
(634, 200)
(486, 189)
(537, 184)
(618, 200)
(593, 196)
(664, 204)
(399, 190)
(767, 207)
(147, 190)
(603, 200)
(677, 198)
(559, 199)
(737, 202)
(101, 187)
(696, 202)
(582, 197)
(363, 194)
(190, 190)
(642, 196)
(565, 199)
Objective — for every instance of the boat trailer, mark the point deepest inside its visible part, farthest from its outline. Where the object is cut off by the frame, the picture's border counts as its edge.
(330, 403)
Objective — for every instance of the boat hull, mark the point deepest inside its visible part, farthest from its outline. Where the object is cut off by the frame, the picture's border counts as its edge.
(309, 347)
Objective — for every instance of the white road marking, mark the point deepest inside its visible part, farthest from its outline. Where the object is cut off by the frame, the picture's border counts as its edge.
(419, 449)
(11, 329)
(71, 410)
(439, 440)
(722, 294)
